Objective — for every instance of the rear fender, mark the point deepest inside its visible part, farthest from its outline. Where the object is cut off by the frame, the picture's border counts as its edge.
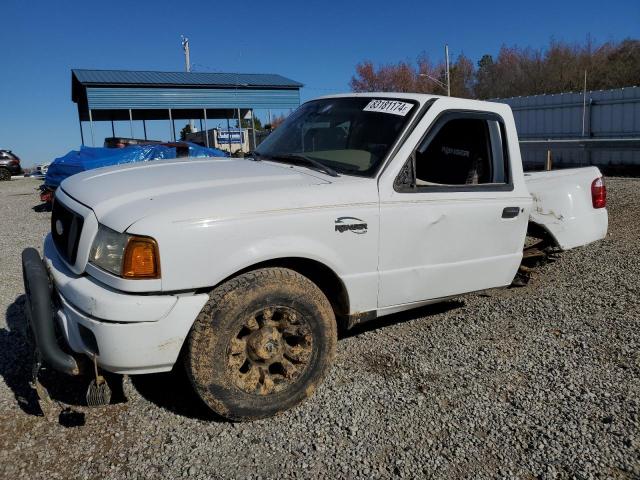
(562, 206)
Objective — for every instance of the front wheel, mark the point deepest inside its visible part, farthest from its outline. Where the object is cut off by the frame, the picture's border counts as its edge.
(5, 175)
(261, 344)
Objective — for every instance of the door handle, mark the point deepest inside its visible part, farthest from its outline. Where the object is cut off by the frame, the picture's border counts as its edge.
(510, 212)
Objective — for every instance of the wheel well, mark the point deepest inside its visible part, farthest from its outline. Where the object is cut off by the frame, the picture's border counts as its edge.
(541, 232)
(324, 277)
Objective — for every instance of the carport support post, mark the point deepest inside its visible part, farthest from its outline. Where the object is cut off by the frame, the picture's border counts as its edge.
(81, 134)
(173, 128)
(229, 135)
(113, 130)
(206, 132)
(93, 141)
(131, 122)
(240, 129)
(144, 127)
(253, 130)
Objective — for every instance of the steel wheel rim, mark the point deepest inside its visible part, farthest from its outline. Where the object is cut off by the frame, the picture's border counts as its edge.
(270, 351)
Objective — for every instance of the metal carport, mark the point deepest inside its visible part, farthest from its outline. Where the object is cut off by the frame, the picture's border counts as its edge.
(112, 95)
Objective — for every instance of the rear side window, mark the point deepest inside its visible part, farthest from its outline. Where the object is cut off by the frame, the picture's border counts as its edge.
(463, 150)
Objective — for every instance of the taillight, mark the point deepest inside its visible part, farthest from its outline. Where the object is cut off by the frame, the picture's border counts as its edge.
(46, 196)
(598, 193)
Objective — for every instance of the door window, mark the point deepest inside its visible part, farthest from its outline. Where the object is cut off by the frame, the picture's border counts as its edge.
(462, 151)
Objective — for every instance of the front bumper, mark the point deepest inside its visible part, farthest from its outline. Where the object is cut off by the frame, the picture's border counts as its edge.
(127, 333)
(39, 315)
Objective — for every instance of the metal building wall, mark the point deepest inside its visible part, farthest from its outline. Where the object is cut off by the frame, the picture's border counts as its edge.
(611, 134)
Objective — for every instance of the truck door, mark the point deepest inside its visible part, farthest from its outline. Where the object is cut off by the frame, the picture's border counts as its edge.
(453, 221)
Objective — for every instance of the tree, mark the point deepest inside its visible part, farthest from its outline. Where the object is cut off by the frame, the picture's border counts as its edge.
(366, 78)
(246, 123)
(400, 77)
(185, 131)
(426, 72)
(485, 77)
(276, 121)
(406, 77)
(513, 72)
(462, 75)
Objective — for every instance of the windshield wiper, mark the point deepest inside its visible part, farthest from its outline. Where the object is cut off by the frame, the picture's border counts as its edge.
(297, 158)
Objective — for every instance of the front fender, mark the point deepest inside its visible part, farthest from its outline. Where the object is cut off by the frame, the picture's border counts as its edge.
(202, 253)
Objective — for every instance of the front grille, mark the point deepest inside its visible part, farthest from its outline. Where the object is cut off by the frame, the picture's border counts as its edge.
(66, 227)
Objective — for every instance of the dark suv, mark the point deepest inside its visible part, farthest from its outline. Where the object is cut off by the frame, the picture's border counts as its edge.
(9, 165)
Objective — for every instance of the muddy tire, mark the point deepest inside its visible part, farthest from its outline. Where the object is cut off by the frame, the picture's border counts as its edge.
(261, 344)
(5, 175)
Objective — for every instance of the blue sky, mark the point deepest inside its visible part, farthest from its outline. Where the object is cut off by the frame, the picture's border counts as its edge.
(316, 43)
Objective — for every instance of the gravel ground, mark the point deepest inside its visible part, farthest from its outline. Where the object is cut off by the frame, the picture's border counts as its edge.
(536, 382)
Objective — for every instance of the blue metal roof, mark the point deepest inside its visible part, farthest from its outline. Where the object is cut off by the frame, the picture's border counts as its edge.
(111, 94)
(186, 79)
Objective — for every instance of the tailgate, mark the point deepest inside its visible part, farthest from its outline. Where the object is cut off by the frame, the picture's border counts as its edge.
(562, 205)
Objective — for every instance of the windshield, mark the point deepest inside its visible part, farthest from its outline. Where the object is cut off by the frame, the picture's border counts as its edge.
(350, 135)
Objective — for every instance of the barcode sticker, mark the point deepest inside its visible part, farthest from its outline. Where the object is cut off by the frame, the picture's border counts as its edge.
(388, 106)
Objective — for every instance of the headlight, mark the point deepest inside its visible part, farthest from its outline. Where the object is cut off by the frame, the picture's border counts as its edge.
(127, 256)
(107, 250)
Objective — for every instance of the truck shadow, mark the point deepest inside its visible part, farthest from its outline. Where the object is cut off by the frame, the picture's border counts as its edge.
(401, 317)
(173, 391)
(16, 360)
(42, 207)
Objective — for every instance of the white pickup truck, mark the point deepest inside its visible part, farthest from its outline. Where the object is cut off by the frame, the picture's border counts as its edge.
(357, 206)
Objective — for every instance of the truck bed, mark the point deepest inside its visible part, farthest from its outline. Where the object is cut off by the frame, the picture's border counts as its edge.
(562, 205)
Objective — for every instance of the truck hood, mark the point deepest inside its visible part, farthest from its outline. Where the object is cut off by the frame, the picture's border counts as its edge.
(189, 188)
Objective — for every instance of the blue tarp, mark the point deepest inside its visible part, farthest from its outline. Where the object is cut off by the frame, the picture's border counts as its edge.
(88, 158)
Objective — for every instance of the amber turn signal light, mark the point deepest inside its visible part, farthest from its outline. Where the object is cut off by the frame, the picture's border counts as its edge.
(141, 259)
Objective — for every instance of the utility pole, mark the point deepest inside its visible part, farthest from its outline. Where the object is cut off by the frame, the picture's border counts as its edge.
(187, 64)
(446, 56)
(185, 47)
(444, 86)
(584, 102)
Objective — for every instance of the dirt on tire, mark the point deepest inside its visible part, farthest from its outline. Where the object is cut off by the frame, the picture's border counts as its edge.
(215, 331)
